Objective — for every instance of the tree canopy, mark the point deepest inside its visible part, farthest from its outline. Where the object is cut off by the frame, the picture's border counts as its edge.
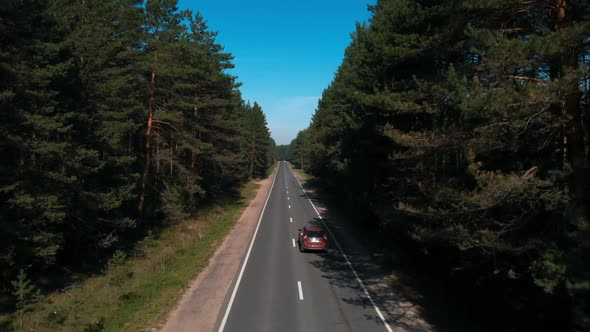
(463, 127)
(115, 117)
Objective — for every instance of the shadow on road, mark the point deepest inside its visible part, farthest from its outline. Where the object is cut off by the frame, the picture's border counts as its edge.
(409, 301)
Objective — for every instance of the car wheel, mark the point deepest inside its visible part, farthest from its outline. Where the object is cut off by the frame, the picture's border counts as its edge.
(301, 248)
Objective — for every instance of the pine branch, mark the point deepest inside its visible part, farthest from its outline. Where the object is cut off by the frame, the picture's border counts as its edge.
(525, 78)
(530, 173)
(165, 123)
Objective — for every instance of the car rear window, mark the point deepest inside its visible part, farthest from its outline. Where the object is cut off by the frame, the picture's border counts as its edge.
(315, 234)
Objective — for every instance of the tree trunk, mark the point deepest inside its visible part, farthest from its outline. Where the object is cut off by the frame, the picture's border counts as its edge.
(157, 154)
(194, 162)
(171, 161)
(574, 134)
(252, 156)
(148, 137)
(193, 152)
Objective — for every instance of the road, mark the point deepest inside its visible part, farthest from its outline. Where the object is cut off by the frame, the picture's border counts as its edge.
(277, 288)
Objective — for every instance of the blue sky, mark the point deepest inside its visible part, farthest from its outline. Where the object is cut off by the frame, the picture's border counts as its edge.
(286, 51)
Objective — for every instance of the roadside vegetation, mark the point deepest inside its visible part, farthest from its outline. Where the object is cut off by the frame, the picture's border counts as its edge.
(304, 175)
(138, 288)
(118, 121)
(460, 129)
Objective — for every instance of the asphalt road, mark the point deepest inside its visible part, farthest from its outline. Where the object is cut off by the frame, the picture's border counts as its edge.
(279, 288)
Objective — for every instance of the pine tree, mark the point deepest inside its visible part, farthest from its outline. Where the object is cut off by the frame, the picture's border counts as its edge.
(450, 128)
(44, 183)
(257, 141)
(163, 27)
(107, 107)
(105, 40)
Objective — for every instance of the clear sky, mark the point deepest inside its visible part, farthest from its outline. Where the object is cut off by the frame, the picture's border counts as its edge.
(286, 51)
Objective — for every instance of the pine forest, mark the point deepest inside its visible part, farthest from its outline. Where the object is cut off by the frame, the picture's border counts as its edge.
(458, 131)
(116, 118)
(461, 129)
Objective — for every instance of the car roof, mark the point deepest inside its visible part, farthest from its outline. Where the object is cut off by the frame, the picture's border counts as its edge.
(314, 228)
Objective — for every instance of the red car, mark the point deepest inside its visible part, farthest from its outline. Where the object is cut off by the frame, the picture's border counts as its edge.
(312, 238)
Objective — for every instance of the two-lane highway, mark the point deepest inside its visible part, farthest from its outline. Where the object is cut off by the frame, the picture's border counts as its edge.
(280, 289)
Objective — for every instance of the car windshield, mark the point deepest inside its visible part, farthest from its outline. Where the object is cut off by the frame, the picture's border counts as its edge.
(315, 234)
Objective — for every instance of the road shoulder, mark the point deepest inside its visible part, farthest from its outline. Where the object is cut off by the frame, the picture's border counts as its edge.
(199, 307)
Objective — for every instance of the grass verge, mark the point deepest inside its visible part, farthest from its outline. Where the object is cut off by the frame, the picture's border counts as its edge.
(302, 174)
(138, 289)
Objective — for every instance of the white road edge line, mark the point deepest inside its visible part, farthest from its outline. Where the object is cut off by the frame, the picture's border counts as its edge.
(291, 219)
(289, 206)
(293, 243)
(300, 290)
(233, 294)
(346, 258)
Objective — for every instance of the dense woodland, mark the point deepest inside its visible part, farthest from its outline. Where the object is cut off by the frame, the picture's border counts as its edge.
(282, 152)
(463, 128)
(116, 118)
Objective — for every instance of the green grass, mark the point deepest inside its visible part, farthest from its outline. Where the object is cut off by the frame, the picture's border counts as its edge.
(138, 292)
(302, 174)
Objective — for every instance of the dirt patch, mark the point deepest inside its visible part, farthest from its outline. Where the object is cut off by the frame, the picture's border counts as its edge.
(202, 302)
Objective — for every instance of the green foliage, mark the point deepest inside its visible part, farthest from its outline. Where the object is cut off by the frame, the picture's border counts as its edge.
(107, 106)
(115, 268)
(448, 123)
(97, 326)
(258, 146)
(153, 276)
(27, 296)
(549, 270)
(282, 152)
